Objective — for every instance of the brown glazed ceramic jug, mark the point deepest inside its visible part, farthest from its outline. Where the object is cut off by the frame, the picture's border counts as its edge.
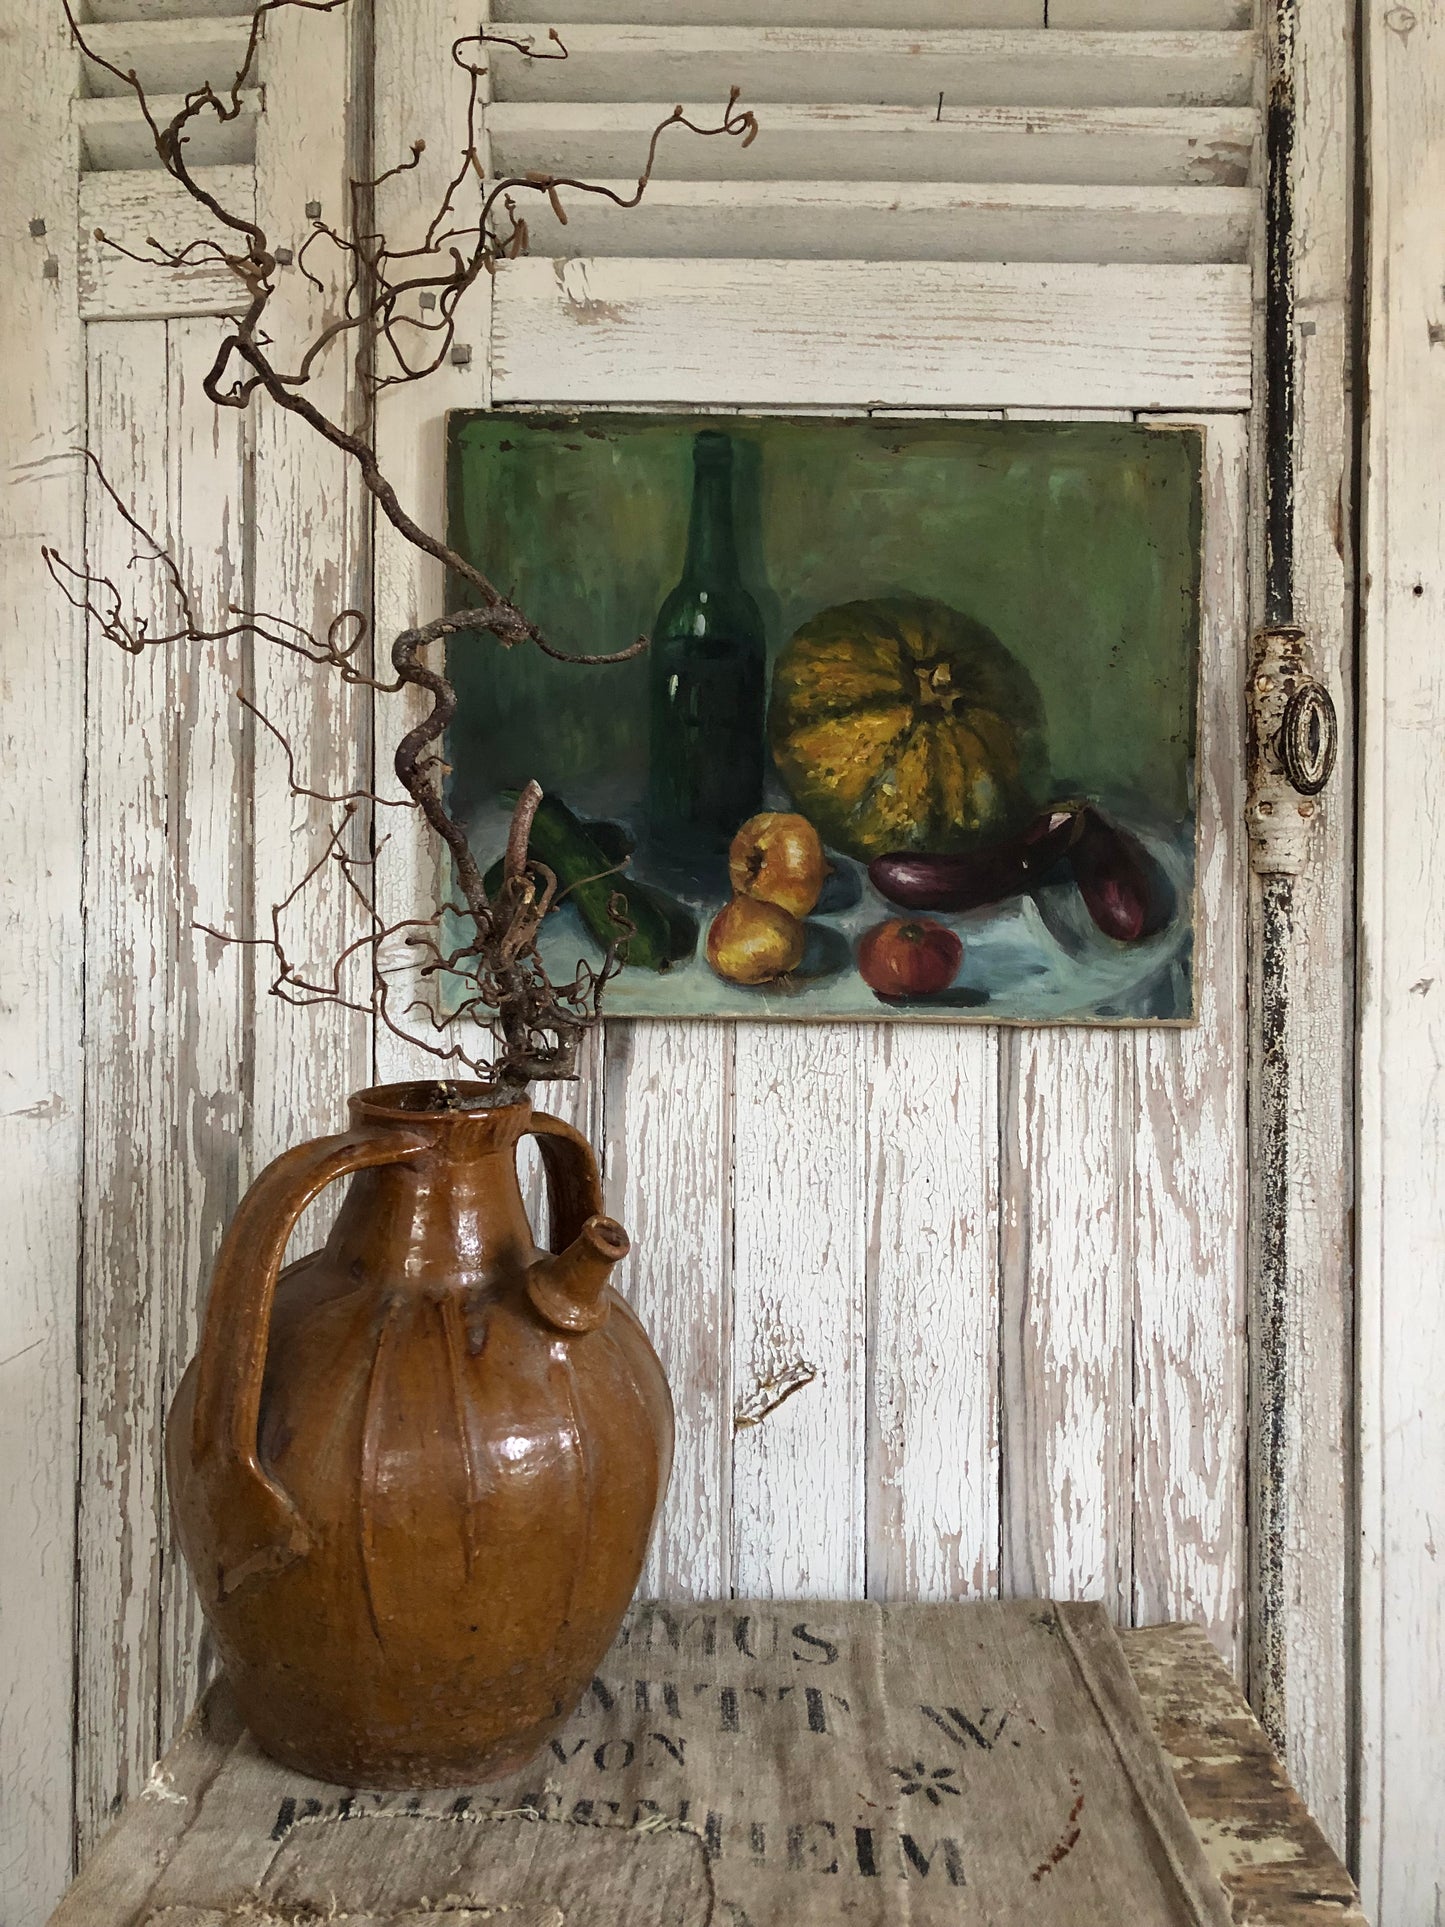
(415, 1473)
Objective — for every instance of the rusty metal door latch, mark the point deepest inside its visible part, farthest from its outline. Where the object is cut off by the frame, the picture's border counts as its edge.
(1294, 737)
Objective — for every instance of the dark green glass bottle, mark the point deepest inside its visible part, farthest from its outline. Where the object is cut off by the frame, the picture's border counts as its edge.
(708, 682)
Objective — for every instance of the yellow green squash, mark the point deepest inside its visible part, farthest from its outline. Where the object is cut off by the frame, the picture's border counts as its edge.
(899, 723)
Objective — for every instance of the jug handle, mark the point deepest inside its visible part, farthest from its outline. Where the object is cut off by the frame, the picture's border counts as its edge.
(574, 1184)
(257, 1525)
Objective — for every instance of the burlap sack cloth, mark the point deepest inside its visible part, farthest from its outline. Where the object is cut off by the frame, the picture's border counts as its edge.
(742, 1765)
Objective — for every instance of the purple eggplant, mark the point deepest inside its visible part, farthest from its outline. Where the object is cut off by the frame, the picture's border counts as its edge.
(1126, 893)
(970, 879)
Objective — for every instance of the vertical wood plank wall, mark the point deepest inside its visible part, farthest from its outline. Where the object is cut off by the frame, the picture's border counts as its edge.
(1402, 963)
(42, 751)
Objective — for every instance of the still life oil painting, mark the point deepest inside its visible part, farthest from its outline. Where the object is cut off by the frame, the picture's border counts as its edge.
(914, 731)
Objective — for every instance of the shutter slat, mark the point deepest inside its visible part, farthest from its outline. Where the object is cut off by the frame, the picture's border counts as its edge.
(783, 13)
(1148, 14)
(1141, 146)
(1028, 67)
(113, 135)
(113, 10)
(169, 56)
(919, 221)
(831, 334)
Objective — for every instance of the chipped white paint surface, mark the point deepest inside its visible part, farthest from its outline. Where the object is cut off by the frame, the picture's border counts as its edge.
(131, 1169)
(42, 750)
(134, 204)
(931, 1191)
(1189, 1157)
(1402, 1045)
(669, 1124)
(1067, 1104)
(844, 334)
(1315, 1499)
(308, 551)
(799, 1305)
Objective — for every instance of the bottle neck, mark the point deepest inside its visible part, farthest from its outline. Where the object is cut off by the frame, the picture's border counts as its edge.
(712, 551)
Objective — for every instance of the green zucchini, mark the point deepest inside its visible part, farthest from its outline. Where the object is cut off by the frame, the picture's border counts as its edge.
(584, 858)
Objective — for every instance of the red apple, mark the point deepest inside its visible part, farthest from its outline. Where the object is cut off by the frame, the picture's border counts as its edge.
(916, 958)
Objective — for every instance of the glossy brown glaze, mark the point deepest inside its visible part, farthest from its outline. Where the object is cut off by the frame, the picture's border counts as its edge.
(415, 1475)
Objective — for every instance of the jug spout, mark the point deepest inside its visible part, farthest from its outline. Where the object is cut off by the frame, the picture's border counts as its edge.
(569, 1287)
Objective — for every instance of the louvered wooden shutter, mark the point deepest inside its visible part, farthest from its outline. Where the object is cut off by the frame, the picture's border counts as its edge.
(1066, 199)
(1066, 190)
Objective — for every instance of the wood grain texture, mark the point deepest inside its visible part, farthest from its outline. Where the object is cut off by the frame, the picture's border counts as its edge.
(208, 487)
(799, 1313)
(131, 206)
(836, 333)
(418, 93)
(931, 1176)
(307, 527)
(1303, 1553)
(914, 221)
(42, 743)
(1258, 1835)
(1026, 68)
(1402, 1040)
(131, 1169)
(1189, 1158)
(669, 1179)
(1141, 146)
(1068, 1118)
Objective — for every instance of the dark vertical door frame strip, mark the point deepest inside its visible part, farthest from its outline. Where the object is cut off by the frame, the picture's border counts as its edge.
(1269, 1148)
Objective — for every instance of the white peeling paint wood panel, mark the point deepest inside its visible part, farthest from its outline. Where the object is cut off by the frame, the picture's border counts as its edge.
(42, 736)
(306, 532)
(1301, 1634)
(840, 333)
(1402, 1042)
(1142, 146)
(419, 93)
(212, 784)
(669, 1180)
(1068, 1120)
(133, 205)
(131, 1170)
(1189, 1157)
(895, 221)
(931, 1186)
(799, 1196)
(1022, 67)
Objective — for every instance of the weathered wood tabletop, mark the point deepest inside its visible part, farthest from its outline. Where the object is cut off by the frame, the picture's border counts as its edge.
(214, 1806)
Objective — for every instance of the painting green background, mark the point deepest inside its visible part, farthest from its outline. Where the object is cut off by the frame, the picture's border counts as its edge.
(1077, 544)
